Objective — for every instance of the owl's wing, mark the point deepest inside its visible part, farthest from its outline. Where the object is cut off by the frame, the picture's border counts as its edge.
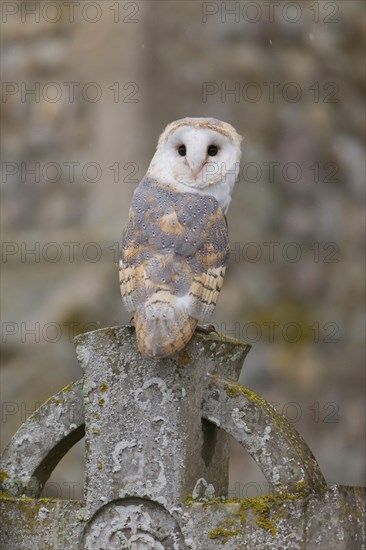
(129, 271)
(146, 244)
(211, 259)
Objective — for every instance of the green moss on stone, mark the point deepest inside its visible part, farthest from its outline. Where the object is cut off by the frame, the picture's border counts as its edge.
(300, 486)
(189, 499)
(266, 509)
(231, 386)
(223, 534)
(3, 475)
(184, 359)
(68, 387)
(103, 387)
(232, 392)
(261, 508)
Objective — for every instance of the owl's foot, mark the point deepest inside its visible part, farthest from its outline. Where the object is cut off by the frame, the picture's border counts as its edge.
(205, 329)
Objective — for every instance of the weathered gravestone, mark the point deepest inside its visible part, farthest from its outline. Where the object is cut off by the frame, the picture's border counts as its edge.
(156, 460)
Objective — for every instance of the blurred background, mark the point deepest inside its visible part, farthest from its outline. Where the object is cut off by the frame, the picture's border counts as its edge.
(87, 89)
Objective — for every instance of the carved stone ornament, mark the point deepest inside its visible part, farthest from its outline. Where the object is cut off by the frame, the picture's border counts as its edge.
(156, 460)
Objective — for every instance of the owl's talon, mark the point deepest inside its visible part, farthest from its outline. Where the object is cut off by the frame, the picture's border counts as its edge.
(206, 329)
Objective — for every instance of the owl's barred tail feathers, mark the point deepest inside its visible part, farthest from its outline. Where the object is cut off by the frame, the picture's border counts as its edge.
(162, 329)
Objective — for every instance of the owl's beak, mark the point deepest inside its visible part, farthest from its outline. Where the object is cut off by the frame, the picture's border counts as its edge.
(196, 168)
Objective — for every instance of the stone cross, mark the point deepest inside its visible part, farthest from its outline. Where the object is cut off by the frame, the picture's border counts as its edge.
(156, 460)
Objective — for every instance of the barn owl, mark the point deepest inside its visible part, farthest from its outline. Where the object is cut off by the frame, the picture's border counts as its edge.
(175, 245)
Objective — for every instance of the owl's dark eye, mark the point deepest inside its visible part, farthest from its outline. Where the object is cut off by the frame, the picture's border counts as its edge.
(182, 150)
(212, 150)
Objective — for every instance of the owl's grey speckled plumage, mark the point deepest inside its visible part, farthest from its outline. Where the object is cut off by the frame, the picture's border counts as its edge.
(173, 259)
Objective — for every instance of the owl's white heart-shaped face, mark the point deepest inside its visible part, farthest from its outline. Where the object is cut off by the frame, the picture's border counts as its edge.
(198, 155)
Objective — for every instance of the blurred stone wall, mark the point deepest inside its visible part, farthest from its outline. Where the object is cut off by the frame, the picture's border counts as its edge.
(106, 78)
